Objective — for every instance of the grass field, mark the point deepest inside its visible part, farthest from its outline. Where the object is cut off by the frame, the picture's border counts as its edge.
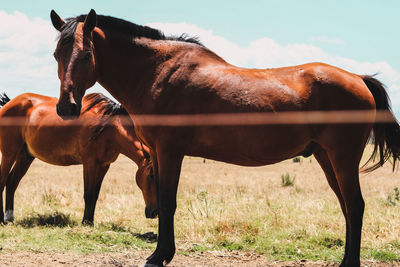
(284, 211)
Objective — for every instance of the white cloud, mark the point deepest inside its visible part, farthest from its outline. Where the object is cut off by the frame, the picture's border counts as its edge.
(267, 53)
(26, 61)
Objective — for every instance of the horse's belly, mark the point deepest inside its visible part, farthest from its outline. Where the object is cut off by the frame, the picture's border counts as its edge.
(54, 156)
(52, 149)
(251, 145)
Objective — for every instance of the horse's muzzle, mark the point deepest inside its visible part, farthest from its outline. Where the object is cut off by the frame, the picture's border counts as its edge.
(151, 213)
(68, 111)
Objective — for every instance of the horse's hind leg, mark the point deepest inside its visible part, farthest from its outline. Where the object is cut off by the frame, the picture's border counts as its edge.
(93, 174)
(346, 170)
(20, 168)
(323, 160)
(6, 165)
(344, 147)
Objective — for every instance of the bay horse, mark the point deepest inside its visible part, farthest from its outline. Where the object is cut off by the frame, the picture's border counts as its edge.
(150, 73)
(95, 141)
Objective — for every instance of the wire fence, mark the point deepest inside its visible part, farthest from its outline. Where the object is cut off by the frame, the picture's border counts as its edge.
(222, 119)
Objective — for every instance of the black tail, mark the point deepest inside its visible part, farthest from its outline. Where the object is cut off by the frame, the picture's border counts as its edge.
(4, 99)
(386, 136)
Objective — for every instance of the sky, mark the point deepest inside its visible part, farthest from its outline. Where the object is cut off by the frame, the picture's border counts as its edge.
(360, 36)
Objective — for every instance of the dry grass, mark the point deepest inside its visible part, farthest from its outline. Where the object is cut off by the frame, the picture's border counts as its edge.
(220, 206)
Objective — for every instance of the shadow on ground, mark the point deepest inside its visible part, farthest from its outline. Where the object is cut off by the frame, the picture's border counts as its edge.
(59, 219)
(148, 237)
(55, 219)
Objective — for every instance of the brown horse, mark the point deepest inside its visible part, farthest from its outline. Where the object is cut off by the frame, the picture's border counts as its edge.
(95, 141)
(150, 73)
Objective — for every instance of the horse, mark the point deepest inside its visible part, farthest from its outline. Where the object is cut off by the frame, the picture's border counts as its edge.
(95, 141)
(151, 74)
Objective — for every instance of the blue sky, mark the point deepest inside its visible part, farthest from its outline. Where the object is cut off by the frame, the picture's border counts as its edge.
(369, 29)
(360, 36)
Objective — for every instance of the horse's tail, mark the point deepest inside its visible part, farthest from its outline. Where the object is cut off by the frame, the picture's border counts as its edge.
(4, 99)
(386, 135)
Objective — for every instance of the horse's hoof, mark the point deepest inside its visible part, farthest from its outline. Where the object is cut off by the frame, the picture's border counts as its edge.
(158, 258)
(347, 263)
(152, 261)
(87, 223)
(8, 222)
(9, 216)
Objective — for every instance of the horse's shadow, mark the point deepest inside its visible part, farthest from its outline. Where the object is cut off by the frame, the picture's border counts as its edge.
(55, 219)
(59, 219)
(148, 237)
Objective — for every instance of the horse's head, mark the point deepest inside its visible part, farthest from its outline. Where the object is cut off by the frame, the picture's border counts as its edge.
(146, 182)
(76, 61)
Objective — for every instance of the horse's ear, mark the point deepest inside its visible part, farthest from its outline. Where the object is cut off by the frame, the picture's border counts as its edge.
(90, 22)
(56, 20)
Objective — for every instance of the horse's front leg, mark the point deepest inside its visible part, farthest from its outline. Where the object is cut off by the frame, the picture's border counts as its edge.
(20, 168)
(93, 174)
(169, 168)
(6, 164)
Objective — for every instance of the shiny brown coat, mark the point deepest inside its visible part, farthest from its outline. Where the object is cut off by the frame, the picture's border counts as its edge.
(39, 133)
(149, 73)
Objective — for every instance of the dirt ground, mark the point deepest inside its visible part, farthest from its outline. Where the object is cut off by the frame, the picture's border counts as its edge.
(212, 258)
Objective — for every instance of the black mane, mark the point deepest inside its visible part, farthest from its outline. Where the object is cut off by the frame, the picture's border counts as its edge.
(108, 109)
(125, 28)
(4, 99)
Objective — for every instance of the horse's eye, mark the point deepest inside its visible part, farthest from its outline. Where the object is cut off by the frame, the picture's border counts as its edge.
(87, 56)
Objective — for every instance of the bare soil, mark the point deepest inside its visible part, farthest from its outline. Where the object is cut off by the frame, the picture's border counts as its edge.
(212, 258)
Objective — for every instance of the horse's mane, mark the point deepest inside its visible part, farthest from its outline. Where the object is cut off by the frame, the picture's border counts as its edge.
(125, 28)
(4, 99)
(107, 109)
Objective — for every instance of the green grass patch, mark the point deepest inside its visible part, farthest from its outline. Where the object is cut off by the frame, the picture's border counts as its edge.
(287, 180)
(380, 255)
(59, 233)
(296, 159)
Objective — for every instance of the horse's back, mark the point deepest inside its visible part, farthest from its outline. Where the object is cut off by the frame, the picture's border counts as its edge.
(335, 88)
(312, 86)
(22, 104)
(216, 86)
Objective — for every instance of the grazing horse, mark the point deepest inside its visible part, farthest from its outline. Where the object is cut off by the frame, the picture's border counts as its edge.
(149, 73)
(95, 141)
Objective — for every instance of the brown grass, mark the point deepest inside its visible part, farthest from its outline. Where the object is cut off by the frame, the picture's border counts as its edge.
(222, 206)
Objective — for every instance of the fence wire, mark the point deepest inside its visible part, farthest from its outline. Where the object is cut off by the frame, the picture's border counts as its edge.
(222, 119)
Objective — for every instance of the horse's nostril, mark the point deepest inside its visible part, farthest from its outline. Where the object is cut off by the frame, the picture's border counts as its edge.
(150, 213)
(75, 109)
(68, 111)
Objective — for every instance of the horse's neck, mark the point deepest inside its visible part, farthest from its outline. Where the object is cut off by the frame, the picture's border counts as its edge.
(126, 70)
(127, 140)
